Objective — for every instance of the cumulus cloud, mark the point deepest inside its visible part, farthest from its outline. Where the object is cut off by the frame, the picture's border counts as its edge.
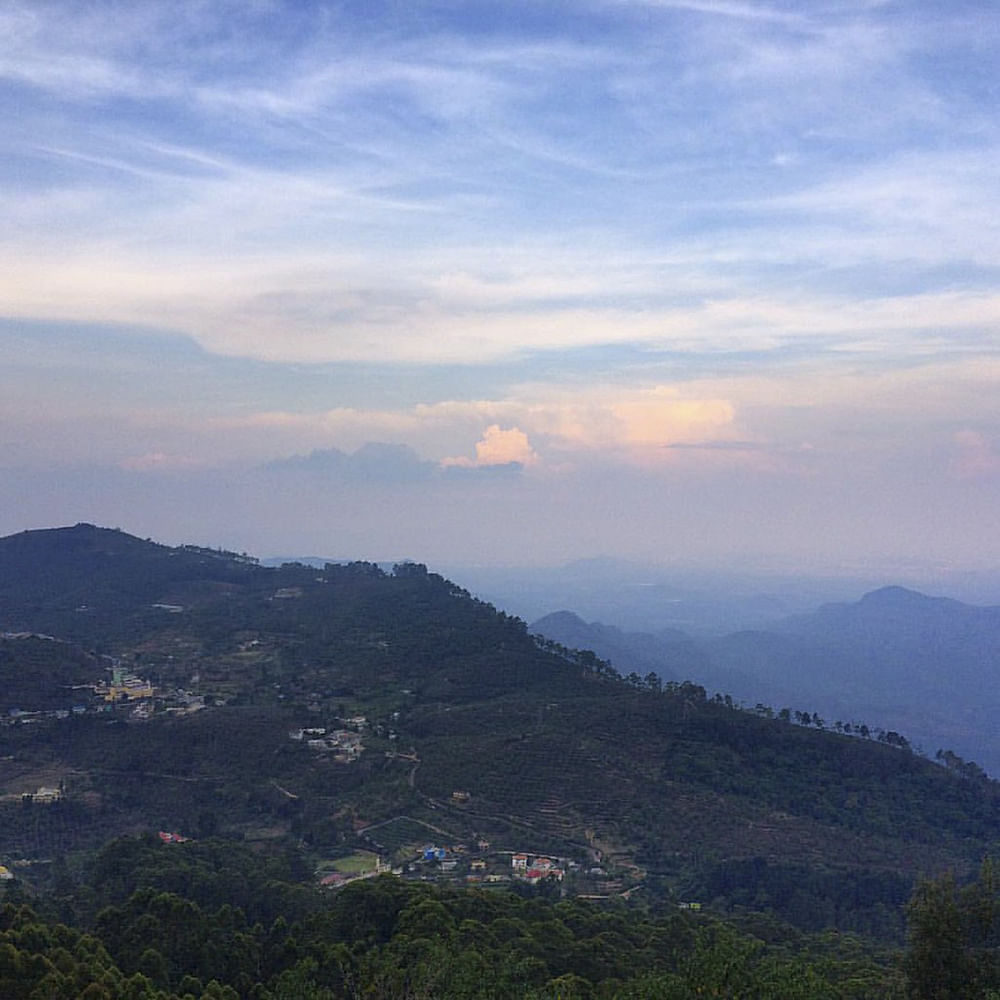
(634, 421)
(660, 419)
(498, 447)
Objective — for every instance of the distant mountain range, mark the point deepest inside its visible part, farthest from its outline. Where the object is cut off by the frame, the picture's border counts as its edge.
(928, 667)
(701, 601)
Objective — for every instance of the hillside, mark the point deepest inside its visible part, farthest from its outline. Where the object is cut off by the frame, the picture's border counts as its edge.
(928, 667)
(346, 707)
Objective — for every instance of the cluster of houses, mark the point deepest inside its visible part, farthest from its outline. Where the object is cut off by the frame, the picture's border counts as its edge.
(487, 867)
(481, 865)
(458, 864)
(533, 868)
(123, 690)
(343, 745)
(18, 716)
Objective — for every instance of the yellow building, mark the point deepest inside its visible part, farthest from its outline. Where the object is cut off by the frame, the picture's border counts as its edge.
(127, 687)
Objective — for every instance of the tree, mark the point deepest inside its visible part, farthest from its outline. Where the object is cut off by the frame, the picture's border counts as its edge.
(935, 959)
(954, 938)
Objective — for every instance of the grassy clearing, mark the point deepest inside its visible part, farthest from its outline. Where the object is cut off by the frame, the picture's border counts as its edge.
(353, 864)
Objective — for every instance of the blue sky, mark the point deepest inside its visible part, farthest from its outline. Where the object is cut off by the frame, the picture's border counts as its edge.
(703, 282)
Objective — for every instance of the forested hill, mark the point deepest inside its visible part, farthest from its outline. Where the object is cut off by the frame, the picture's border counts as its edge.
(895, 659)
(92, 583)
(345, 708)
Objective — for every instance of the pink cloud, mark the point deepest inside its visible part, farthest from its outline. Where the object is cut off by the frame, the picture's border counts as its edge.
(498, 447)
(975, 457)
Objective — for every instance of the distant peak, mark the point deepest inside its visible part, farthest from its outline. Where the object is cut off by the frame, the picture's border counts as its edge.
(563, 618)
(893, 596)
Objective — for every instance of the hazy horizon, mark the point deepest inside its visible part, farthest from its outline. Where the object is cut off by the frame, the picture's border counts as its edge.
(694, 283)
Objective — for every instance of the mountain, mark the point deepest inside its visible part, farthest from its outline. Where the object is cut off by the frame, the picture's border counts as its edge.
(346, 707)
(925, 666)
(646, 598)
(669, 653)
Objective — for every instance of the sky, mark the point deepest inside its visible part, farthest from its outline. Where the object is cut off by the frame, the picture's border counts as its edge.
(690, 282)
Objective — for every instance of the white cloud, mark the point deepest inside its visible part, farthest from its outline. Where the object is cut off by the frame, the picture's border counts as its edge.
(725, 8)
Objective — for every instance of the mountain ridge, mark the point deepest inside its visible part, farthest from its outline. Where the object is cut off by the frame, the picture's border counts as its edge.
(925, 665)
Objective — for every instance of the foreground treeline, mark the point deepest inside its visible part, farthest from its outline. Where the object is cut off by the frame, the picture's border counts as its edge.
(212, 920)
(500, 949)
(215, 921)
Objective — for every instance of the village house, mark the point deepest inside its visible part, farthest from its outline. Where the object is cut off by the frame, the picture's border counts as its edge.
(315, 732)
(172, 838)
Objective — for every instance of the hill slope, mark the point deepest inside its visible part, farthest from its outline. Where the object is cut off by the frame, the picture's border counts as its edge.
(441, 719)
(925, 666)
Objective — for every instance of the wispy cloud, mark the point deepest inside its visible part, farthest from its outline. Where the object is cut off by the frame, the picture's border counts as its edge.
(384, 152)
(725, 8)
